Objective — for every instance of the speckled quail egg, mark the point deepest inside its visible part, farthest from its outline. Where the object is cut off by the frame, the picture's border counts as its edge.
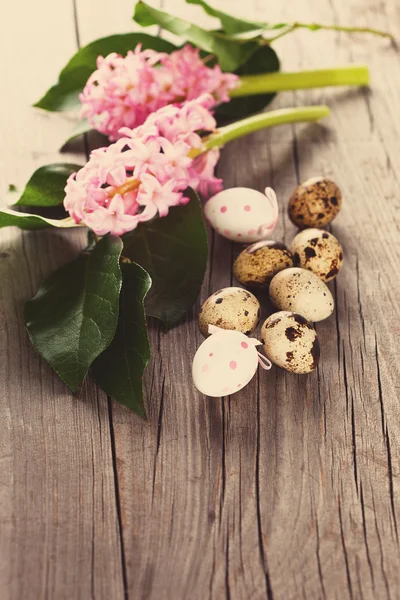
(291, 342)
(319, 252)
(315, 203)
(301, 291)
(230, 308)
(257, 264)
(242, 214)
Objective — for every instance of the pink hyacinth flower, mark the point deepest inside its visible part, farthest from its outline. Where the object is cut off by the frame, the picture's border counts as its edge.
(145, 172)
(112, 218)
(124, 91)
(156, 197)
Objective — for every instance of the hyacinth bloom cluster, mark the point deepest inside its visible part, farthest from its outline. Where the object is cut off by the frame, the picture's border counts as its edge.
(124, 91)
(146, 171)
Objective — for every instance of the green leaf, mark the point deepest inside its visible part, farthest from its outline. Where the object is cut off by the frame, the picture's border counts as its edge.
(229, 23)
(230, 53)
(265, 60)
(119, 369)
(81, 127)
(10, 218)
(73, 317)
(173, 250)
(46, 186)
(65, 94)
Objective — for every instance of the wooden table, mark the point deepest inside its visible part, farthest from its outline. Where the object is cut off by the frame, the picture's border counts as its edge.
(288, 490)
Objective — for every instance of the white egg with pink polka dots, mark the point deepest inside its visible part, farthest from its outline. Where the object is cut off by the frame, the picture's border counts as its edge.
(242, 214)
(226, 362)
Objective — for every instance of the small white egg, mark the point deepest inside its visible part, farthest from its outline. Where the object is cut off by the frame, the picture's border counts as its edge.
(224, 363)
(302, 292)
(242, 214)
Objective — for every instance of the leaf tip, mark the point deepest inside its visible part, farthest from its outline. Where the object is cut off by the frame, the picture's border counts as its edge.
(39, 104)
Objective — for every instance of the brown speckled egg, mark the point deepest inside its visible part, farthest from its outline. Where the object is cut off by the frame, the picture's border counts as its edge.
(315, 203)
(257, 264)
(319, 252)
(291, 342)
(230, 308)
(302, 292)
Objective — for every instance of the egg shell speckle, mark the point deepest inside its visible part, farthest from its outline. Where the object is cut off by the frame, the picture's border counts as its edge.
(256, 267)
(224, 363)
(319, 252)
(241, 214)
(302, 292)
(230, 308)
(315, 203)
(291, 342)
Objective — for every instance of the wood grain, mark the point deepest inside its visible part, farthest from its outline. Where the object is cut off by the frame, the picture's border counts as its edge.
(288, 489)
(59, 534)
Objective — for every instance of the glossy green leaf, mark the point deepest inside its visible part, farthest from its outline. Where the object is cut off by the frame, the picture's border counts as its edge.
(81, 127)
(265, 60)
(65, 94)
(9, 218)
(173, 250)
(46, 186)
(73, 317)
(229, 23)
(230, 53)
(119, 369)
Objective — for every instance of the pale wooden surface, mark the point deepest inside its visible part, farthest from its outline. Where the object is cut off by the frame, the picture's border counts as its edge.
(291, 488)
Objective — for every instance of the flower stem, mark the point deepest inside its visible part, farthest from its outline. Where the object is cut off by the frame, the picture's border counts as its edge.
(317, 26)
(251, 85)
(261, 121)
(129, 185)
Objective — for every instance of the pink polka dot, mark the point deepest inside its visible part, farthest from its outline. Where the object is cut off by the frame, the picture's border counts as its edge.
(225, 390)
(233, 365)
(239, 384)
(239, 235)
(223, 209)
(211, 354)
(251, 231)
(247, 208)
(205, 368)
(227, 232)
(244, 345)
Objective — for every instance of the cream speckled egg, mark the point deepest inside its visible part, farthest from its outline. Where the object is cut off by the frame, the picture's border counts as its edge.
(224, 363)
(242, 214)
(302, 292)
(257, 264)
(319, 252)
(315, 203)
(230, 308)
(291, 342)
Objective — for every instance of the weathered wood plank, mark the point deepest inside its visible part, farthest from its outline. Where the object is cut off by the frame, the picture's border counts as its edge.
(58, 520)
(288, 489)
(355, 506)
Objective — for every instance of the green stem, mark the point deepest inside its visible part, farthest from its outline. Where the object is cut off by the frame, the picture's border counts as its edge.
(261, 121)
(251, 85)
(317, 26)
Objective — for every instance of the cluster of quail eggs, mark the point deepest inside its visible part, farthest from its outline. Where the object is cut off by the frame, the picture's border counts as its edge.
(295, 276)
